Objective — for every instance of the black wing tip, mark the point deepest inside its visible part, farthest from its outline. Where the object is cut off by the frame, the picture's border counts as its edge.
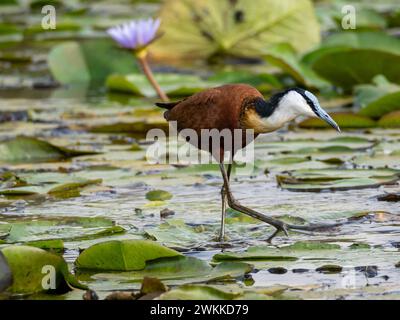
(166, 105)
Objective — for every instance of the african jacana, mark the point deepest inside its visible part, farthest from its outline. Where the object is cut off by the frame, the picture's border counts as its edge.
(240, 106)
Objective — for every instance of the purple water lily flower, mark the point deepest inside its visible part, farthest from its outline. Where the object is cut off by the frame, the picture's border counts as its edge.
(135, 34)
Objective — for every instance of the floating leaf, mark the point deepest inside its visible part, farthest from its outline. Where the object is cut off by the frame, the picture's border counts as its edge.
(54, 245)
(89, 61)
(343, 119)
(390, 120)
(336, 179)
(284, 56)
(197, 292)
(175, 232)
(383, 105)
(41, 229)
(172, 84)
(368, 93)
(367, 19)
(5, 273)
(181, 269)
(262, 81)
(330, 269)
(242, 28)
(32, 149)
(122, 255)
(351, 58)
(158, 195)
(29, 267)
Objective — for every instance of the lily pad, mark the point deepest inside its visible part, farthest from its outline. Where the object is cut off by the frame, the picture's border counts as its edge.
(89, 61)
(346, 120)
(158, 195)
(5, 273)
(336, 179)
(42, 229)
(209, 28)
(27, 265)
(368, 93)
(25, 149)
(198, 292)
(390, 120)
(182, 269)
(384, 105)
(284, 57)
(122, 255)
(172, 84)
(262, 81)
(352, 58)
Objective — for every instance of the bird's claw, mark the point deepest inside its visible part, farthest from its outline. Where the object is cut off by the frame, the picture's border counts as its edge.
(279, 227)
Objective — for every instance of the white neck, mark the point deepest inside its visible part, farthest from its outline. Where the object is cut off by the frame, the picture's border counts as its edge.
(291, 106)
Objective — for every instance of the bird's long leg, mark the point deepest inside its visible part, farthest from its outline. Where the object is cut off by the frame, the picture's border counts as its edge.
(223, 200)
(279, 225)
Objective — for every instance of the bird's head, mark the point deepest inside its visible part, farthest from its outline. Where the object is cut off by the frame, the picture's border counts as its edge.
(288, 105)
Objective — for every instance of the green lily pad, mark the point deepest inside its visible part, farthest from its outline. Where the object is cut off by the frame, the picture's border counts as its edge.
(198, 292)
(346, 120)
(158, 195)
(379, 160)
(368, 93)
(336, 179)
(329, 269)
(175, 232)
(26, 265)
(182, 269)
(89, 61)
(367, 19)
(172, 84)
(262, 81)
(211, 28)
(285, 253)
(53, 245)
(25, 149)
(382, 106)
(70, 188)
(351, 58)
(284, 57)
(390, 120)
(5, 273)
(41, 229)
(122, 255)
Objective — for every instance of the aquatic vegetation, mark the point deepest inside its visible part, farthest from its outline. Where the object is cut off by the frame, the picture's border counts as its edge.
(77, 191)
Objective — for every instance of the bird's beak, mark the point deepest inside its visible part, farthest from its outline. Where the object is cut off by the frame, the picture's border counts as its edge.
(321, 113)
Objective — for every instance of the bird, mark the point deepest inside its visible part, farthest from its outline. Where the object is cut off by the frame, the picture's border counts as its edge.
(242, 107)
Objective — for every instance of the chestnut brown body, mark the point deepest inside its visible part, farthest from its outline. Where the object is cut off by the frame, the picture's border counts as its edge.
(224, 107)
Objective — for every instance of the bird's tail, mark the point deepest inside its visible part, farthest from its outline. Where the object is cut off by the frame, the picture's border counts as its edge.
(167, 105)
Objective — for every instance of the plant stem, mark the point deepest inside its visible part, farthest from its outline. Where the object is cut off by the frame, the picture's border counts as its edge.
(149, 74)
